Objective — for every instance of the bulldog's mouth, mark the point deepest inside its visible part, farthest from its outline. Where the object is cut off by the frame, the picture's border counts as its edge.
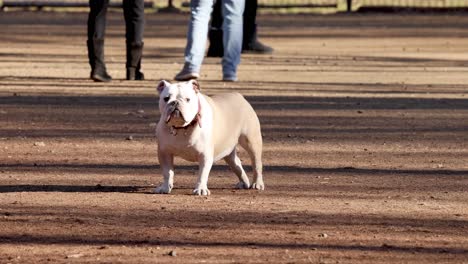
(176, 114)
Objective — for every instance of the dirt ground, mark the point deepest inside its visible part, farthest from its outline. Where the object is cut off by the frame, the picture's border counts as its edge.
(365, 125)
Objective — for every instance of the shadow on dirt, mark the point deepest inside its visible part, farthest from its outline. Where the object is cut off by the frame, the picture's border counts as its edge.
(117, 117)
(68, 188)
(191, 220)
(46, 240)
(258, 102)
(144, 169)
(307, 179)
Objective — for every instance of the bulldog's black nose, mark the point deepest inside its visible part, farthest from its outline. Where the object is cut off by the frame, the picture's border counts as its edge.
(174, 103)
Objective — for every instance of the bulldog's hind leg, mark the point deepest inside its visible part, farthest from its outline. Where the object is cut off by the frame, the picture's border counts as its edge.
(235, 164)
(252, 143)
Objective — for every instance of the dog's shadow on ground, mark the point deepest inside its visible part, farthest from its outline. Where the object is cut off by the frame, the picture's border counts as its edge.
(98, 188)
(189, 171)
(73, 188)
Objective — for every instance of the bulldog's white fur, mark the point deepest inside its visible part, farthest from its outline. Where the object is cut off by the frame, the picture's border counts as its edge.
(206, 129)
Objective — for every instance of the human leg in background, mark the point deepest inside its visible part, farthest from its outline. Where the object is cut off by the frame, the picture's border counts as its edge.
(200, 11)
(95, 42)
(215, 35)
(251, 44)
(134, 27)
(232, 37)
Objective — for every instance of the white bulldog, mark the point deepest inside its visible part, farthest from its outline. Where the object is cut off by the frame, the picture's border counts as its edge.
(206, 129)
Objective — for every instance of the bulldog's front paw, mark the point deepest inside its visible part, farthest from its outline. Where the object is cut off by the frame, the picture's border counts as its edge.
(242, 185)
(201, 191)
(258, 186)
(163, 189)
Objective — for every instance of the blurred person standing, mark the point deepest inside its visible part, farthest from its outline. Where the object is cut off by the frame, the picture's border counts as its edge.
(134, 26)
(250, 42)
(232, 11)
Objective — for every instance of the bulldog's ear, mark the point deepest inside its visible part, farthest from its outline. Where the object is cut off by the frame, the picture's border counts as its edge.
(161, 85)
(195, 85)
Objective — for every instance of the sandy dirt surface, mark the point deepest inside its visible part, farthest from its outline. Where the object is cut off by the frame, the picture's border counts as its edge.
(365, 125)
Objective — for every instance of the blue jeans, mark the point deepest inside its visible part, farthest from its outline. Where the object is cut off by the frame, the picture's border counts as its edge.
(198, 31)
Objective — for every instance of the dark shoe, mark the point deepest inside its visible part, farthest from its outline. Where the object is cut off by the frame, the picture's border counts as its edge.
(96, 60)
(250, 43)
(216, 48)
(134, 75)
(185, 76)
(100, 76)
(257, 47)
(134, 54)
(230, 78)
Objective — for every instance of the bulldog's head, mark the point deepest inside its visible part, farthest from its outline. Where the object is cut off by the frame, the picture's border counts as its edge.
(178, 102)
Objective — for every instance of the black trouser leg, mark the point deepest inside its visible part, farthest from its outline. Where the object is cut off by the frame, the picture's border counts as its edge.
(215, 34)
(95, 42)
(217, 16)
(97, 18)
(250, 42)
(134, 27)
(250, 26)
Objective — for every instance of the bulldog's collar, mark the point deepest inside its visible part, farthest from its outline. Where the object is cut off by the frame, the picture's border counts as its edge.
(195, 121)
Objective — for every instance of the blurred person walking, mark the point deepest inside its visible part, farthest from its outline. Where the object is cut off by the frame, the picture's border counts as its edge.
(134, 26)
(250, 42)
(232, 11)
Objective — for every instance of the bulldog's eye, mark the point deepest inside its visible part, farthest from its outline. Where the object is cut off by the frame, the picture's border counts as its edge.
(166, 99)
(187, 99)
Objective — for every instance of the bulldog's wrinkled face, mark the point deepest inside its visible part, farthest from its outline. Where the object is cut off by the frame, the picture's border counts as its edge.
(178, 102)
